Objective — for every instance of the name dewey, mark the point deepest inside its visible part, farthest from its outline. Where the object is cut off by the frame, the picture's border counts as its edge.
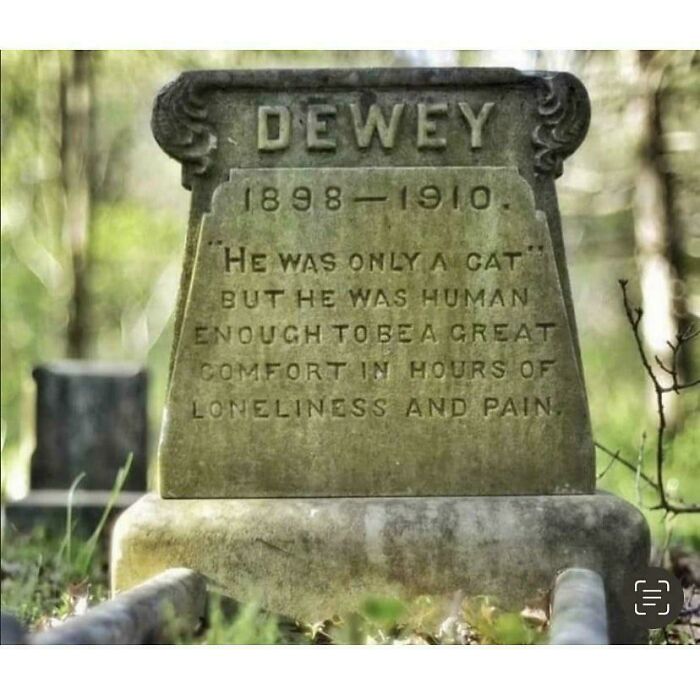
(276, 127)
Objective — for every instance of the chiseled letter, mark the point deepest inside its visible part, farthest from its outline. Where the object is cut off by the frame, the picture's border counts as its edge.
(476, 123)
(265, 142)
(317, 127)
(427, 127)
(375, 122)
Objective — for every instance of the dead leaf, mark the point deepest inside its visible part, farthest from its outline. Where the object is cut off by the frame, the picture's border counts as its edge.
(536, 617)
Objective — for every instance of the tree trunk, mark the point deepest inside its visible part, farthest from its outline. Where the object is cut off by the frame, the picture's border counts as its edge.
(76, 151)
(656, 227)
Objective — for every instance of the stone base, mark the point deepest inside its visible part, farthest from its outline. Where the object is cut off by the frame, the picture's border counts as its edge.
(312, 558)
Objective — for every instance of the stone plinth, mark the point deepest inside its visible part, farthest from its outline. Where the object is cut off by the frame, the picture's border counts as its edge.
(310, 558)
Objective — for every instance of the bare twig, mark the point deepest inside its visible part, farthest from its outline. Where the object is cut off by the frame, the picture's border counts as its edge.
(615, 457)
(634, 316)
(625, 462)
(640, 465)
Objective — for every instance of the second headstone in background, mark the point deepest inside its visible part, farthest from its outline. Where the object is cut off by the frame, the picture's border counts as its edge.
(90, 416)
(91, 419)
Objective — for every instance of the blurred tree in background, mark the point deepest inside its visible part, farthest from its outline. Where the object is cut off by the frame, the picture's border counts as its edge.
(93, 222)
(657, 225)
(78, 186)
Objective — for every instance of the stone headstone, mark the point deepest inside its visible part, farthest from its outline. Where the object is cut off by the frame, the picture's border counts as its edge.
(376, 384)
(89, 417)
(376, 300)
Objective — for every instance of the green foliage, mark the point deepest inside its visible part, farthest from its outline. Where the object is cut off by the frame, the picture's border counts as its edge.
(383, 612)
(78, 560)
(622, 421)
(249, 625)
(492, 626)
(39, 585)
(46, 577)
(32, 258)
(378, 620)
(426, 620)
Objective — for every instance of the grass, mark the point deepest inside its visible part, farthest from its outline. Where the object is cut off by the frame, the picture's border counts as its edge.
(41, 585)
(378, 621)
(45, 577)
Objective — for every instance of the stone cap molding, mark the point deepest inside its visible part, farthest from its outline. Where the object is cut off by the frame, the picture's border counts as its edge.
(182, 127)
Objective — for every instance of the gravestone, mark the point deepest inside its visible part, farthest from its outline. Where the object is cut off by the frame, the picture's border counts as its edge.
(90, 416)
(376, 383)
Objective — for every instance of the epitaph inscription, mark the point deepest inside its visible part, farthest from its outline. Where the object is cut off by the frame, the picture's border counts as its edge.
(374, 299)
(374, 331)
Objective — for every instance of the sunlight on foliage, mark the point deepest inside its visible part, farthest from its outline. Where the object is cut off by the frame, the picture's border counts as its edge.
(248, 626)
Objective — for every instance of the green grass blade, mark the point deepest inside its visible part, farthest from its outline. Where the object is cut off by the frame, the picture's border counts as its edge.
(65, 547)
(87, 550)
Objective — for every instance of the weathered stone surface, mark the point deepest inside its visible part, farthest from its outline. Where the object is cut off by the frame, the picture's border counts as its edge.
(376, 350)
(310, 558)
(89, 417)
(374, 298)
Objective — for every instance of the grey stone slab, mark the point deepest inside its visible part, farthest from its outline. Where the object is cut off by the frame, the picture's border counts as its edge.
(310, 558)
(89, 417)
